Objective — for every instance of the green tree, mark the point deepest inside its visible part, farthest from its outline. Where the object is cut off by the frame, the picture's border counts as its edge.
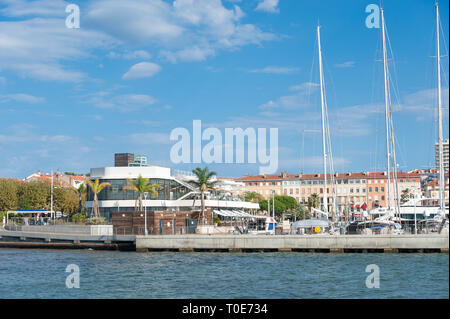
(9, 199)
(289, 201)
(406, 195)
(203, 183)
(141, 186)
(81, 194)
(301, 212)
(253, 197)
(65, 200)
(313, 201)
(283, 204)
(96, 188)
(34, 195)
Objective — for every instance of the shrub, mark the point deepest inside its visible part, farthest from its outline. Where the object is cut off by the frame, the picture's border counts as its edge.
(78, 218)
(96, 221)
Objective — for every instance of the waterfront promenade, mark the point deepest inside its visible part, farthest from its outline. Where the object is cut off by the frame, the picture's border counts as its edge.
(230, 243)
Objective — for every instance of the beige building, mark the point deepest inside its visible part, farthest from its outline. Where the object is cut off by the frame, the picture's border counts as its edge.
(431, 190)
(445, 154)
(355, 191)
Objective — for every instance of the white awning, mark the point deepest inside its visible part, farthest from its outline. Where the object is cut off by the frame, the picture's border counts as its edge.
(235, 213)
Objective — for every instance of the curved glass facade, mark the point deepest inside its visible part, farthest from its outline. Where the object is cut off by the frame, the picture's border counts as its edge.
(170, 190)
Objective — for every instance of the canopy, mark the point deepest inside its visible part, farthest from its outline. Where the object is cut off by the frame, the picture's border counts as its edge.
(307, 223)
(235, 213)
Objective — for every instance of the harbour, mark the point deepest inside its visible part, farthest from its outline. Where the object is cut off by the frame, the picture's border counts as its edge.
(110, 274)
(218, 149)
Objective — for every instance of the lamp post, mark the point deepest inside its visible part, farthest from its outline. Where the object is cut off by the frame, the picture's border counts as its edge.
(145, 213)
(273, 204)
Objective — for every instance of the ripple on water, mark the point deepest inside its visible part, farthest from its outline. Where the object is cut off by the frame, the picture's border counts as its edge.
(41, 274)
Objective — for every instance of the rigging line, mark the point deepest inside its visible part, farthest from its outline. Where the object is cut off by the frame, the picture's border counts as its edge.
(337, 118)
(430, 78)
(308, 100)
(329, 151)
(443, 38)
(375, 72)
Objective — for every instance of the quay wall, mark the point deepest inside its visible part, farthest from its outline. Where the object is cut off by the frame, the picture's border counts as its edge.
(94, 230)
(294, 242)
(231, 243)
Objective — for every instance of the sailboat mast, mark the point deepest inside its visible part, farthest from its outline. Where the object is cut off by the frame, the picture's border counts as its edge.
(441, 164)
(387, 112)
(322, 100)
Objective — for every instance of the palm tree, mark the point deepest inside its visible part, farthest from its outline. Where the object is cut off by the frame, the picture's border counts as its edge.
(313, 201)
(141, 186)
(253, 197)
(96, 188)
(81, 192)
(203, 183)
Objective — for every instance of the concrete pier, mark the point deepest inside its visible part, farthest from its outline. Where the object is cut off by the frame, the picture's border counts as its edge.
(288, 243)
(429, 243)
(27, 239)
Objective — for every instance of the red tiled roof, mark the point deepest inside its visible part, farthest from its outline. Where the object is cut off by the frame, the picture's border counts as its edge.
(10, 179)
(319, 176)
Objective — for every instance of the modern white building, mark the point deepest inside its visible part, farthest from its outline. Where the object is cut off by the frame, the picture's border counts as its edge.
(174, 194)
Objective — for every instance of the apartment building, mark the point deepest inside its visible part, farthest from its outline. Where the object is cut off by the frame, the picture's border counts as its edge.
(430, 189)
(445, 154)
(264, 184)
(355, 191)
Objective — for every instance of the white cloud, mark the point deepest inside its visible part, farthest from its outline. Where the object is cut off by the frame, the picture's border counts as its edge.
(268, 6)
(149, 138)
(21, 97)
(20, 8)
(37, 48)
(138, 54)
(142, 70)
(189, 54)
(122, 102)
(299, 100)
(304, 86)
(186, 30)
(275, 70)
(36, 44)
(348, 64)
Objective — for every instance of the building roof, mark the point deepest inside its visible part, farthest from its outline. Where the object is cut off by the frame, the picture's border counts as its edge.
(319, 176)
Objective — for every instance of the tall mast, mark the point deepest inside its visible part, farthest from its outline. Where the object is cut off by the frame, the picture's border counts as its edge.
(387, 110)
(51, 195)
(441, 164)
(322, 100)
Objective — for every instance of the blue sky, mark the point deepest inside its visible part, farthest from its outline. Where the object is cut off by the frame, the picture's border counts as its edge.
(135, 70)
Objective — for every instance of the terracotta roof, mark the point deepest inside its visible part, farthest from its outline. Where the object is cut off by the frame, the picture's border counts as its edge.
(319, 176)
(10, 179)
(79, 178)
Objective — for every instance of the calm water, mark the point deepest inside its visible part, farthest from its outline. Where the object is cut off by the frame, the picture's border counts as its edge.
(41, 274)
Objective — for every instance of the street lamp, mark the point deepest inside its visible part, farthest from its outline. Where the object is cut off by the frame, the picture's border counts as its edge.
(273, 204)
(145, 213)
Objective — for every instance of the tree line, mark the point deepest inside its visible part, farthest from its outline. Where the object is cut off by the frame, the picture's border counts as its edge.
(285, 204)
(17, 195)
